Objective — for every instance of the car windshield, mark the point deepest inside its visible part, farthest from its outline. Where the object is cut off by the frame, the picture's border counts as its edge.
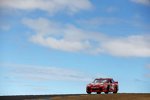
(100, 81)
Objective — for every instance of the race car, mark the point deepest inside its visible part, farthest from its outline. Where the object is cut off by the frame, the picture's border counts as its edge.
(105, 85)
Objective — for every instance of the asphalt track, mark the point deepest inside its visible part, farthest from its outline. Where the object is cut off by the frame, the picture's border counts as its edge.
(119, 96)
(31, 97)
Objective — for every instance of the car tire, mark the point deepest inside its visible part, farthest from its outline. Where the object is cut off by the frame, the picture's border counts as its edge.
(98, 92)
(116, 90)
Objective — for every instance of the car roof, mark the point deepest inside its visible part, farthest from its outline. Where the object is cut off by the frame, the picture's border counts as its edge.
(104, 78)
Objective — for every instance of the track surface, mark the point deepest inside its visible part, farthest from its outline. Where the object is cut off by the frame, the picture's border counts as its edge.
(120, 96)
(35, 97)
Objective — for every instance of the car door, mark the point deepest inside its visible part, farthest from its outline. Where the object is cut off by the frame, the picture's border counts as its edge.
(112, 85)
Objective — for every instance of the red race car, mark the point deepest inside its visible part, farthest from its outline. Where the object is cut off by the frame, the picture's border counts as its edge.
(102, 85)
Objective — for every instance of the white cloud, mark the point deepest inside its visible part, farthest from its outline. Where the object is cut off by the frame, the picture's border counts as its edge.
(61, 44)
(50, 6)
(43, 73)
(144, 2)
(58, 36)
(136, 45)
(70, 38)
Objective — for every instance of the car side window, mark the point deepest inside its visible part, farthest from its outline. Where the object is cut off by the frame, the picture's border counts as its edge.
(112, 81)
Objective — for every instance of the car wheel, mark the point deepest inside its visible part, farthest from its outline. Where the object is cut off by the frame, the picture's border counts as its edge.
(116, 89)
(88, 92)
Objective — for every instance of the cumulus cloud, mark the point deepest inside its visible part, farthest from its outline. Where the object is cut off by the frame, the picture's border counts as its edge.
(58, 36)
(144, 2)
(50, 6)
(136, 45)
(67, 37)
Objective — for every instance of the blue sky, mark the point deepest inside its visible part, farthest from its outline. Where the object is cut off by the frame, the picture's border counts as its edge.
(59, 46)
